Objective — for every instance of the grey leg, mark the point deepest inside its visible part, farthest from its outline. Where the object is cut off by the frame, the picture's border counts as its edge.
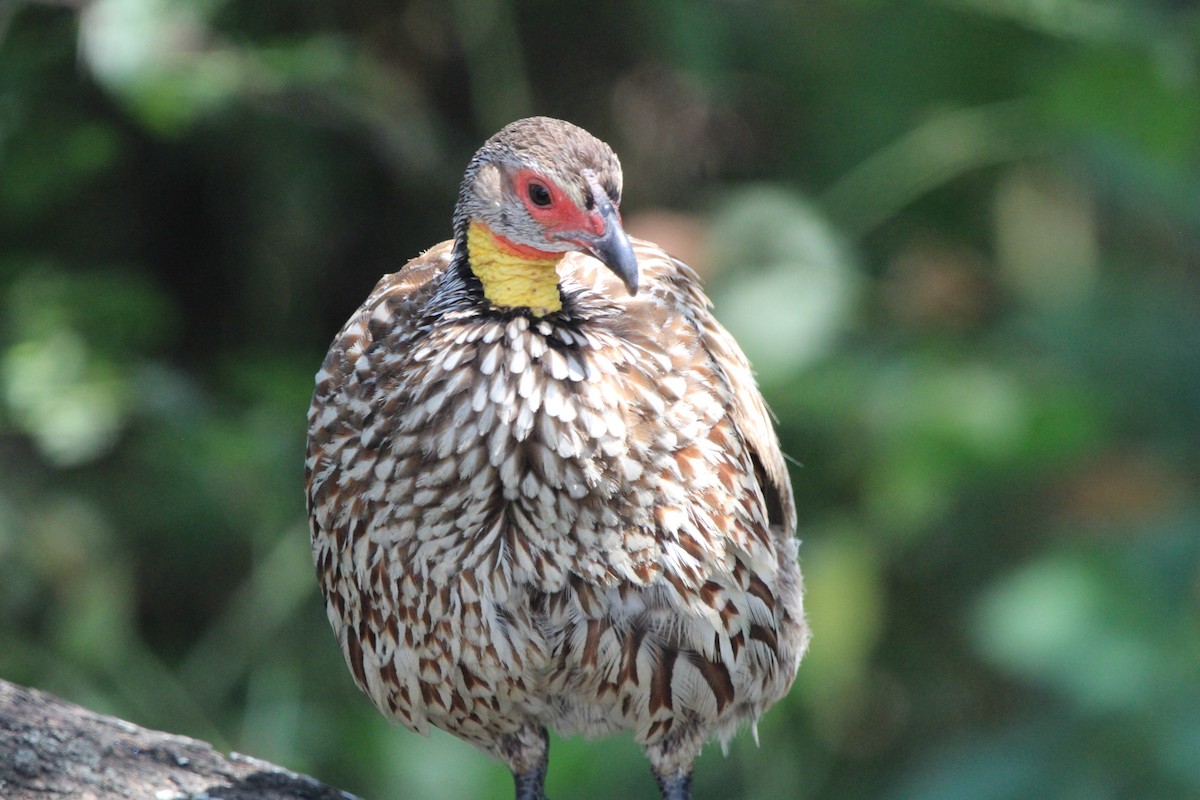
(677, 787)
(531, 782)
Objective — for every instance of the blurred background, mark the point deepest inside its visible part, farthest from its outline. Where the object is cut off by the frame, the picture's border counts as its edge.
(959, 239)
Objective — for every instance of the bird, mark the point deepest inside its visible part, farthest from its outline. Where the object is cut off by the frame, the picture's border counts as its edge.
(544, 489)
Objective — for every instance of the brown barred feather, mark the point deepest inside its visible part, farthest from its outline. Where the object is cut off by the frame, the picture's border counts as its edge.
(581, 521)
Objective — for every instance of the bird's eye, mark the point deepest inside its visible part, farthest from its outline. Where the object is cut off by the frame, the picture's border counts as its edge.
(539, 194)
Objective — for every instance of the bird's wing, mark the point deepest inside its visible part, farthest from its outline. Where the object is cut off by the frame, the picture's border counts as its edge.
(747, 408)
(671, 320)
(343, 444)
(346, 375)
(753, 418)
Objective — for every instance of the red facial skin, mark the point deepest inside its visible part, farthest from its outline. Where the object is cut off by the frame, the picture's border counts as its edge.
(561, 219)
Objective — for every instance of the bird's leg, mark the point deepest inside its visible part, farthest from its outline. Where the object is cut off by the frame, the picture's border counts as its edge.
(529, 758)
(675, 787)
(671, 760)
(531, 785)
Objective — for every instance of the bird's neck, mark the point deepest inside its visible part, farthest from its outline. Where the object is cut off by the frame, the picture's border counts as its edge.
(513, 275)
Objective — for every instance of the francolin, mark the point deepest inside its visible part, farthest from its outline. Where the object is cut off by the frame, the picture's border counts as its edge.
(543, 486)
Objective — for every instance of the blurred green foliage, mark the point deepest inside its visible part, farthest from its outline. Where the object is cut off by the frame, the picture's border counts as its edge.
(959, 238)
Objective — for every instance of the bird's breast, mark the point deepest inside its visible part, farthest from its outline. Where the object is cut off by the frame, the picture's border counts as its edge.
(537, 426)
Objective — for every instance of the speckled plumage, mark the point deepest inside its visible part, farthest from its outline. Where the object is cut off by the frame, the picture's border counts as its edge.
(580, 521)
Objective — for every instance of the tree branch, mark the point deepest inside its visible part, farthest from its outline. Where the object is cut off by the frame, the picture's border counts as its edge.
(51, 748)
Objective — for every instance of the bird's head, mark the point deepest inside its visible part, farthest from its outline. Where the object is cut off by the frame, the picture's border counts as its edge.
(538, 189)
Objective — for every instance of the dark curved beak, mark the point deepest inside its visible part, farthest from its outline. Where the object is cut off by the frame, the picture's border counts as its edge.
(612, 247)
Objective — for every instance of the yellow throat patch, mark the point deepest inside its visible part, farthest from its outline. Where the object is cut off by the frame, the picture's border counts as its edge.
(513, 276)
